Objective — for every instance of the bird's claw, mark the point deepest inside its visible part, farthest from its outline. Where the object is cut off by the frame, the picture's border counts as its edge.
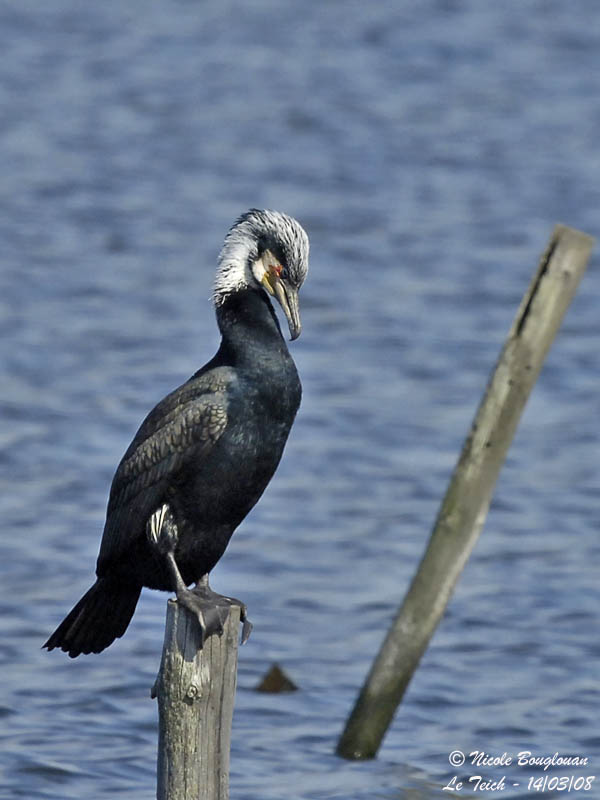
(246, 624)
(246, 628)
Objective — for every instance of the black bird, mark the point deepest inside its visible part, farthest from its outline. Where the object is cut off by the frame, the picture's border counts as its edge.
(204, 455)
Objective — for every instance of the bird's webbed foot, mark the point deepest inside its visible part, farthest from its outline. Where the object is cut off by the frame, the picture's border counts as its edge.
(209, 597)
(211, 609)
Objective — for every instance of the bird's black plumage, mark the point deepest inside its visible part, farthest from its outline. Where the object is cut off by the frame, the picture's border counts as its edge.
(208, 450)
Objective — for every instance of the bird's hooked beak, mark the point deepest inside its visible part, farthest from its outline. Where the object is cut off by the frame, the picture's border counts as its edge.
(287, 296)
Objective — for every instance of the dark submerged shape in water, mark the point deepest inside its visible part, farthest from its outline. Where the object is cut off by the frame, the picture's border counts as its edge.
(204, 455)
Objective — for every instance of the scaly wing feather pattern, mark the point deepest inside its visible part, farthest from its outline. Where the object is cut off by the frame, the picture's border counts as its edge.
(186, 423)
(196, 425)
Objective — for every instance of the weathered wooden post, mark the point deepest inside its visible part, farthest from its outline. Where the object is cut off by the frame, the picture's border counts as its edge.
(464, 508)
(196, 691)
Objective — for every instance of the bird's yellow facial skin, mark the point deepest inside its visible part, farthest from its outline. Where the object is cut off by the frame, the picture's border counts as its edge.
(267, 285)
(272, 271)
(268, 271)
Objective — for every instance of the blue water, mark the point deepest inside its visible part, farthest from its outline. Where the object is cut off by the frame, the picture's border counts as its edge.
(428, 149)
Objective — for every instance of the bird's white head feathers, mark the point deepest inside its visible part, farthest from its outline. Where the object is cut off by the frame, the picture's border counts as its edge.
(257, 241)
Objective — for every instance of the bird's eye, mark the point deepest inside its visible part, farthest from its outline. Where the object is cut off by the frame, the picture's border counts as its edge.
(276, 269)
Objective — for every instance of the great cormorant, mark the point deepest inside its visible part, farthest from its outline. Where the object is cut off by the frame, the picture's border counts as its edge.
(204, 455)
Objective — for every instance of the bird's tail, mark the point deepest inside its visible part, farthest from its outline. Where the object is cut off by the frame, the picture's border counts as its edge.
(100, 617)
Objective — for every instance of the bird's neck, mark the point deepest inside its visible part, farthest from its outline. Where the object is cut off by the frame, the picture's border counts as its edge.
(250, 329)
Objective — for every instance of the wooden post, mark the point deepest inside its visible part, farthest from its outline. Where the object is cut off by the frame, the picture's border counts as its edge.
(196, 691)
(464, 508)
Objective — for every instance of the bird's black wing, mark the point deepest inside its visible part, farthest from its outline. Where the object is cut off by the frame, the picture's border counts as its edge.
(183, 426)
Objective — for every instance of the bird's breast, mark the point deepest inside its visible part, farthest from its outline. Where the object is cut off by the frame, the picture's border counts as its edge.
(223, 489)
